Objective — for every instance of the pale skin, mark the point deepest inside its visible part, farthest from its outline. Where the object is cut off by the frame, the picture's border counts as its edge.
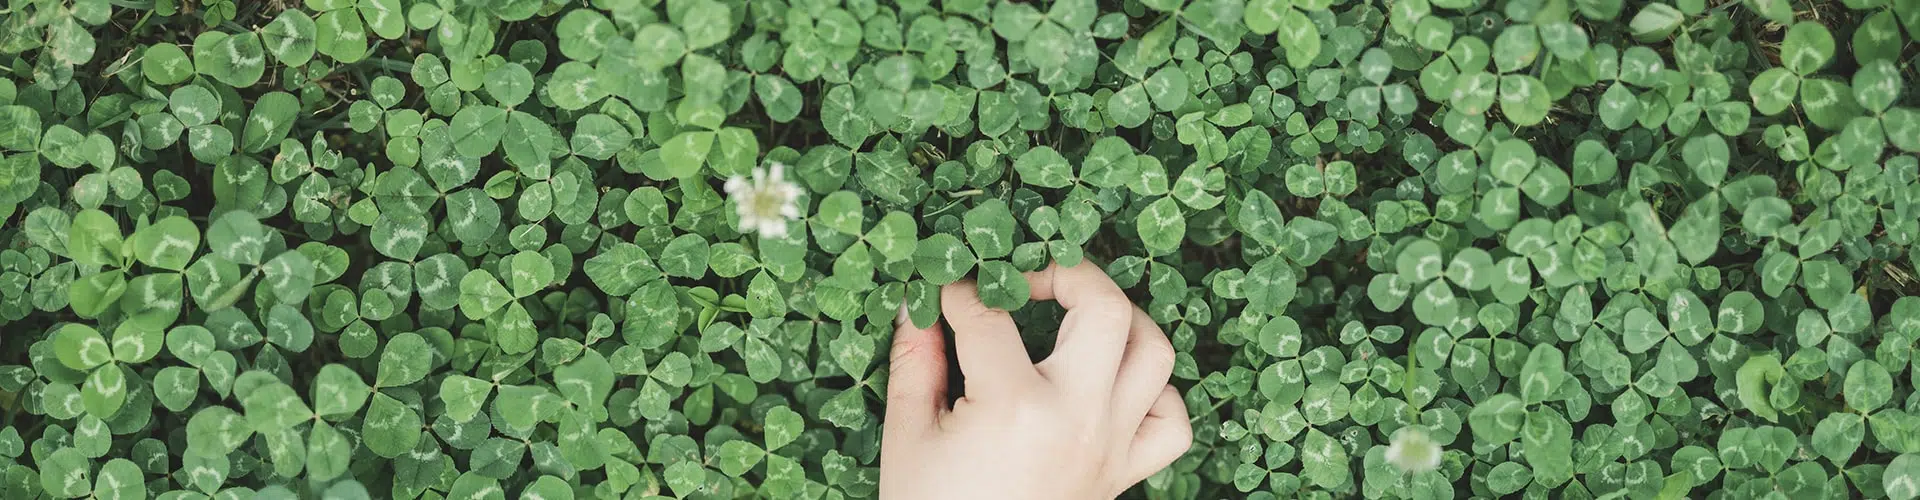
(1092, 419)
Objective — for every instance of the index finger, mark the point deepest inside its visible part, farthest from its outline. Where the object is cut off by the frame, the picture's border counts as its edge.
(993, 358)
(1093, 335)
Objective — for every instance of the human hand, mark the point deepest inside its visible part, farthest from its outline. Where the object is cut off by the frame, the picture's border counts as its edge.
(1089, 421)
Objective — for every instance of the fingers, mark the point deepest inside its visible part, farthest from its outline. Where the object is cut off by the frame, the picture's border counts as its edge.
(992, 357)
(917, 386)
(1144, 370)
(1093, 335)
(1164, 436)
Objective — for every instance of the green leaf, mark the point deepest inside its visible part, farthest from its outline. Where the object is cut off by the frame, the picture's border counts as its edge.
(1901, 479)
(1619, 107)
(216, 430)
(509, 84)
(328, 454)
(1044, 167)
(1754, 380)
(658, 45)
(1130, 107)
(289, 275)
(1709, 158)
(686, 256)
(1642, 331)
(481, 294)
(105, 392)
(338, 391)
(989, 229)
(342, 35)
(1002, 286)
(237, 60)
(1868, 386)
(1111, 163)
(1838, 436)
(527, 142)
(1877, 85)
(237, 237)
(599, 137)
(273, 407)
(706, 23)
(1420, 261)
(1773, 90)
(166, 64)
(894, 236)
(289, 329)
(464, 396)
(513, 329)
(840, 211)
(135, 344)
(529, 272)
(1806, 47)
(1525, 99)
(621, 269)
(120, 479)
(81, 347)
(942, 259)
(586, 381)
(66, 474)
(477, 130)
(390, 427)
(783, 426)
(1542, 374)
(1509, 477)
(94, 238)
(406, 360)
(1162, 226)
(383, 17)
(685, 153)
(291, 37)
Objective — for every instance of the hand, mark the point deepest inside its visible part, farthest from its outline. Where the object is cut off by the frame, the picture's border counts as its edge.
(1091, 420)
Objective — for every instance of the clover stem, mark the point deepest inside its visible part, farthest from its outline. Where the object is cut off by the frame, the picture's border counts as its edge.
(1406, 387)
(1216, 407)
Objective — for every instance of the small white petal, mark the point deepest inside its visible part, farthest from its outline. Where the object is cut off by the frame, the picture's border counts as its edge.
(1413, 452)
(765, 200)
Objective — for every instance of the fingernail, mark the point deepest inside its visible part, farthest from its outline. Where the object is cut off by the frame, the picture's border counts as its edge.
(901, 319)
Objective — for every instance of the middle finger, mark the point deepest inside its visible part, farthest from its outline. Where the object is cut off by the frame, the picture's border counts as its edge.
(1143, 374)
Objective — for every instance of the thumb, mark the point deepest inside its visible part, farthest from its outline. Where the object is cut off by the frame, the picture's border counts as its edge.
(917, 380)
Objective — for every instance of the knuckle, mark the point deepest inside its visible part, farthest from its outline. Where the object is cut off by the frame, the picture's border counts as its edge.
(980, 311)
(1177, 406)
(905, 349)
(1035, 399)
(897, 391)
(897, 394)
(1182, 439)
(1113, 302)
(1156, 353)
(1180, 448)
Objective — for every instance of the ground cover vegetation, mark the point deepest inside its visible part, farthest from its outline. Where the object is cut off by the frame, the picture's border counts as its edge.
(653, 248)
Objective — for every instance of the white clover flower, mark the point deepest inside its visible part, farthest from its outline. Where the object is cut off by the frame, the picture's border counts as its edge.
(1412, 451)
(766, 201)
